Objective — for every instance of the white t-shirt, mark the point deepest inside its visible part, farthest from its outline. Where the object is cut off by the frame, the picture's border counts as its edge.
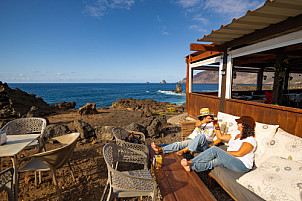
(234, 145)
(206, 129)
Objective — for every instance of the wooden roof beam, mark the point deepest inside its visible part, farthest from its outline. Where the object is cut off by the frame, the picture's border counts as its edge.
(243, 60)
(205, 47)
(204, 55)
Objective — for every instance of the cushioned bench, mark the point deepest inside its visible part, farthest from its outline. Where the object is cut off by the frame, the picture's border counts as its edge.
(277, 170)
(227, 180)
(278, 161)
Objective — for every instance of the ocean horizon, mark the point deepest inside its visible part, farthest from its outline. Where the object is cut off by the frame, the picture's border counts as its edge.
(104, 94)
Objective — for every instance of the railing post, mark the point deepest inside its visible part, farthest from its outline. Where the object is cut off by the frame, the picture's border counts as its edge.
(223, 82)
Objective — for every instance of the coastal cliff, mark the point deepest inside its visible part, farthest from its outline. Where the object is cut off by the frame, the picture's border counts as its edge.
(211, 77)
(15, 103)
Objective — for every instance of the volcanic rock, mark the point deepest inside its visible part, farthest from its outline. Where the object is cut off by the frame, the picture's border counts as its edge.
(136, 127)
(15, 103)
(157, 124)
(64, 105)
(177, 119)
(146, 112)
(54, 130)
(150, 126)
(89, 108)
(178, 88)
(104, 133)
(152, 105)
(85, 129)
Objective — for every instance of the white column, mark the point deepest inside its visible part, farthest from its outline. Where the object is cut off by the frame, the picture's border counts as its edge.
(190, 79)
(229, 76)
(220, 78)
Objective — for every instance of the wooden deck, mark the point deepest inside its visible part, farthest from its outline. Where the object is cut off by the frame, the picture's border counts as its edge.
(177, 184)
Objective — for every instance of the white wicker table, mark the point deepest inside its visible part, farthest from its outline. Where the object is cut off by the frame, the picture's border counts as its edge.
(15, 144)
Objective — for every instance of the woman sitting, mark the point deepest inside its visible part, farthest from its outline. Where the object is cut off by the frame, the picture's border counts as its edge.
(239, 155)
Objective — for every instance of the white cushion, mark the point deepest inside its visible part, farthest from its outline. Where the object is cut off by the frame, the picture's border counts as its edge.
(275, 179)
(264, 133)
(284, 145)
(231, 124)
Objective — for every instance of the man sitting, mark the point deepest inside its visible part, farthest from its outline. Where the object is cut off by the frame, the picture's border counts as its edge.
(198, 141)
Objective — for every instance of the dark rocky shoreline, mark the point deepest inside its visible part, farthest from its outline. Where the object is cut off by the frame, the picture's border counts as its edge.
(160, 121)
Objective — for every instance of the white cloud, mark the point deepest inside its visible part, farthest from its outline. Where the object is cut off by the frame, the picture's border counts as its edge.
(158, 18)
(233, 7)
(163, 27)
(201, 19)
(197, 28)
(164, 30)
(99, 8)
(188, 3)
(60, 74)
(197, 10)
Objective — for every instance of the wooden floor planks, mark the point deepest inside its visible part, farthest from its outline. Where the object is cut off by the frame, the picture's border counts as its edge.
(177, 184)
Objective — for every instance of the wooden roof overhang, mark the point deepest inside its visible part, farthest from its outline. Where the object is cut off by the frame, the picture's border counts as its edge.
(275, 18)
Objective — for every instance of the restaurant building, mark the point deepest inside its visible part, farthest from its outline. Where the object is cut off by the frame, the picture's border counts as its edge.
(266, 40)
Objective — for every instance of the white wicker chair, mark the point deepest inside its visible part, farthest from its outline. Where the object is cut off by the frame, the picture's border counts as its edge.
(120, 134)
(6, 182)
(32, 125)
(129, 183)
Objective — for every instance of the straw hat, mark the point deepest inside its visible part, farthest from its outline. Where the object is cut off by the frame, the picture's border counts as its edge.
(247, 120)
(205, 112)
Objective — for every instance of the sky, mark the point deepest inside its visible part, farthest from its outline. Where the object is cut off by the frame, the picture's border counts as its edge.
(106, 41)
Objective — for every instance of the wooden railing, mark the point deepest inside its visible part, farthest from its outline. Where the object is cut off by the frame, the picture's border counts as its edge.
(289, 119)
(196, 101)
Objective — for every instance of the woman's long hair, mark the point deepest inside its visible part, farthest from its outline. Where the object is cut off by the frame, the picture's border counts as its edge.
(247, 131)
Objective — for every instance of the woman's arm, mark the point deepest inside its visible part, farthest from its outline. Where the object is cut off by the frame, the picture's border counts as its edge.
(220, 136)
(244, 149)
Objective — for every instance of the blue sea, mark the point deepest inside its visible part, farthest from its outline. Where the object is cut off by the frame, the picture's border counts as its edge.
(104, 94)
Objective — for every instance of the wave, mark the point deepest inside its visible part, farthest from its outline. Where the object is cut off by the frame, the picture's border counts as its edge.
(171, 93)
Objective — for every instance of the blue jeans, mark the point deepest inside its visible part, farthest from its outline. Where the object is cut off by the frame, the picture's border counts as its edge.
(214, 157)
(198, 144)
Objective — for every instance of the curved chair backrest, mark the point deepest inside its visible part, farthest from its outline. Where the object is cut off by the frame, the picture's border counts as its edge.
(133, 182)
(114, 153)
(32, 125)
(110, 154)
(6, 182)
(56, 158)
(120, 133)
